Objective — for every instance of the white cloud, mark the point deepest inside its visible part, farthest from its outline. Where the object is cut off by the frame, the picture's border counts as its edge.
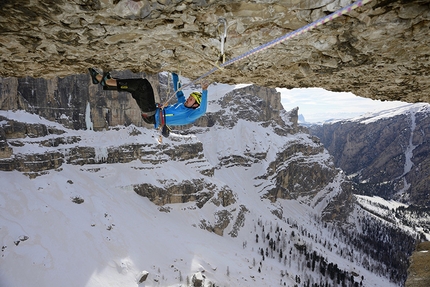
(319, 105)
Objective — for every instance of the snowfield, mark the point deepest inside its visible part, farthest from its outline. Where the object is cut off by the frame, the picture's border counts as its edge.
(115, 234)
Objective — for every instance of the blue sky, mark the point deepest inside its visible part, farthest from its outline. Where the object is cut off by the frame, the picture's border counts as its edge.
(319, 105)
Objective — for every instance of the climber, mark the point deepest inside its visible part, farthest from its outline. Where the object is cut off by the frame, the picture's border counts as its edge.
(184, 112)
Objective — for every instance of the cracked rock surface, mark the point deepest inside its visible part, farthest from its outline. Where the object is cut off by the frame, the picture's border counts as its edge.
(379, 51)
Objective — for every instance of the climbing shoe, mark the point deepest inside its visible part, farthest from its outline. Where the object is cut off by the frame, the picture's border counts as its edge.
(165, 131)
(148, 118)
(106, 76)
(94, 74)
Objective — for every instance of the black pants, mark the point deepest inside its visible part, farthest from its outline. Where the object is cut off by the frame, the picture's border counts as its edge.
(141, 90)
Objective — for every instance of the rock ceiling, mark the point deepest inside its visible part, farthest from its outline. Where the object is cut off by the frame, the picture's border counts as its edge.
(380, 50)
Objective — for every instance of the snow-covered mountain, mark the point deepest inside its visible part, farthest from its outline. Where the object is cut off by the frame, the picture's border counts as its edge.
(246, 197)
(384, 153)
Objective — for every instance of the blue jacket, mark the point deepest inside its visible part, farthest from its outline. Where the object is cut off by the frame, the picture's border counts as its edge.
(178, 114)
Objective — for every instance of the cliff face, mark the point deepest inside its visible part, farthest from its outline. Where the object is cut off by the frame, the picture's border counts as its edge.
(246, 162)
(294, 164)
(379, 51)
(386, 155)
(73, 99)
(418, 275)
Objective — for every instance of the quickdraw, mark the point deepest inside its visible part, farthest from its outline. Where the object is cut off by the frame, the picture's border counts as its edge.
(165, 129)
(267, 45)
(223, 36)
(279, 40)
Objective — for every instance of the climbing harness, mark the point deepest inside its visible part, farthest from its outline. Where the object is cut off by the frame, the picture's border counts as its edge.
(162, 127)
(279, 40)
(223, 36)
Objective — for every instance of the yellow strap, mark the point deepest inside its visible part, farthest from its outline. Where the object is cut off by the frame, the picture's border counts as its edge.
(217, 66)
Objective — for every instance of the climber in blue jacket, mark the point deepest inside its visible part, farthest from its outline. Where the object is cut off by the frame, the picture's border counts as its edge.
(184, 112)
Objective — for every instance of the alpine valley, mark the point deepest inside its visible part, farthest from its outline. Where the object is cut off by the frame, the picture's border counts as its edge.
(244, 197)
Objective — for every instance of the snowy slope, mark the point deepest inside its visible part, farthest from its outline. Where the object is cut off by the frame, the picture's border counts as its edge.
(115, 234)
(403, 216)
(389, 113)
(85, 225)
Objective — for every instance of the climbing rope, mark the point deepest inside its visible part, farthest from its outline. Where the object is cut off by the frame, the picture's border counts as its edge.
(281, 39)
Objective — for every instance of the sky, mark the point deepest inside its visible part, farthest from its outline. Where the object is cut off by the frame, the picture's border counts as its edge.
(319, 105)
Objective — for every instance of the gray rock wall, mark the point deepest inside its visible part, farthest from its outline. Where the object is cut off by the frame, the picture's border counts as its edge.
(379, 51)
(65, 100)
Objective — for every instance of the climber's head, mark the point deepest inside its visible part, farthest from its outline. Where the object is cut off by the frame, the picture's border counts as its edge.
(193, 100)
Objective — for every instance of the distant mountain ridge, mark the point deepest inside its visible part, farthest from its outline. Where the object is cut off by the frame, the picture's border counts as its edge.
(384, 154)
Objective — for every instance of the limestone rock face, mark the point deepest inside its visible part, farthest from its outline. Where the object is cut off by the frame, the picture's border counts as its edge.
(73, 100)
(291, 163)
(418, 275)
(380, 50)
(290, 178)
